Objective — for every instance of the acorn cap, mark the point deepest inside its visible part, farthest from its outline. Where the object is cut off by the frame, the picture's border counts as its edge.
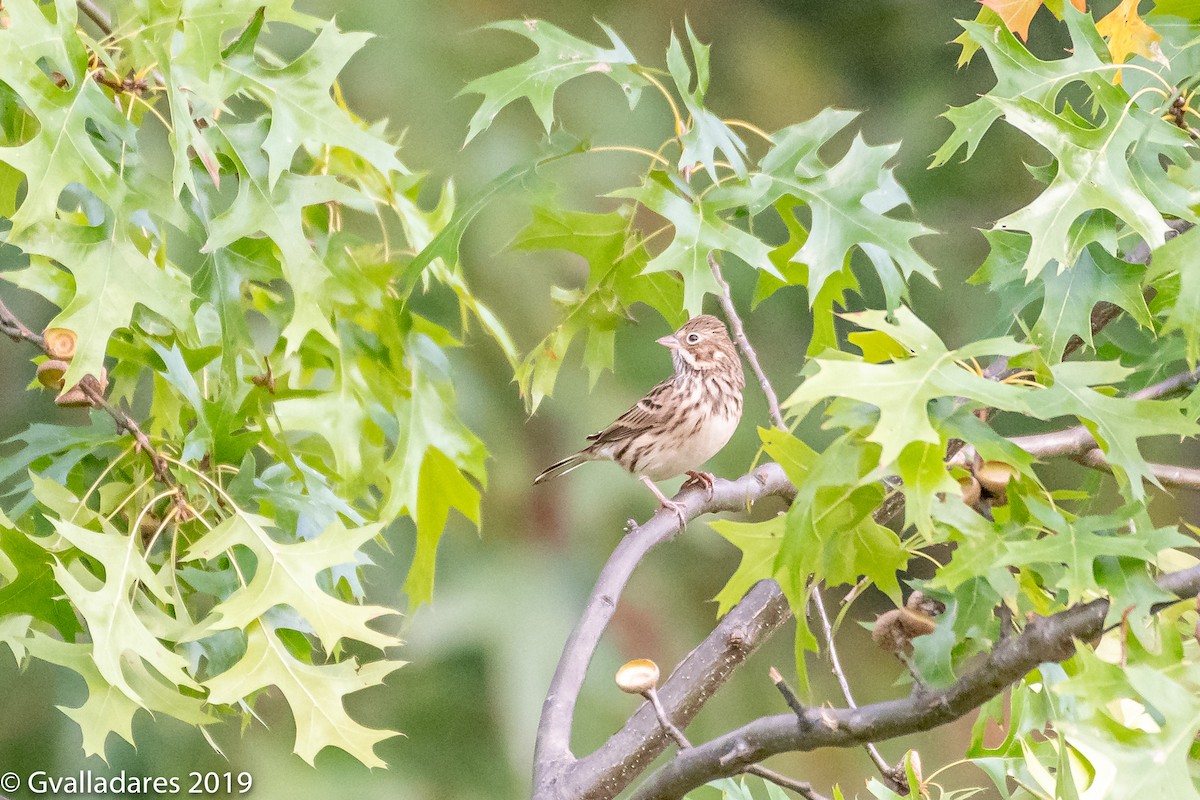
(60, 343)
(637, 676)
(994, 475)
(970, 489)
(50, 373)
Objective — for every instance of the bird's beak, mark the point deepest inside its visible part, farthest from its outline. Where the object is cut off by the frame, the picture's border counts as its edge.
(669, 342)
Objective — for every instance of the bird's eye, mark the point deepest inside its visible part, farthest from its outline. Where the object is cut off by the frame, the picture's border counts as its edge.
(693, 338)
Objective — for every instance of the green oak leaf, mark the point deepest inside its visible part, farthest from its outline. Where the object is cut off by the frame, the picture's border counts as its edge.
(903, 389)
(850, 202)
(1093, 172)
(759, 543)
(1071, 294)
(120, 629)
(108, 709)
(615, 257)
(560, 58)
(832, 293)
(1149, 760)
(427, 419)
(1020, 74)
(302, 111)
(442, 486)
(704, 134)
(698, 232)
(286, 574)
(276, 209)
(61, 150)
(314, 692)
(1117, 423)
(1176, 258)
(112, 276)
(29, 585)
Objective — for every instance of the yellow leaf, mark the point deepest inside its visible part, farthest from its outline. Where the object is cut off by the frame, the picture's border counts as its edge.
(1128, 34)
(1017, 14)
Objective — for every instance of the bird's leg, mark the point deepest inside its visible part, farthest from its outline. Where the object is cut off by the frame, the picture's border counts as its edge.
(704, 479)
(667, 503)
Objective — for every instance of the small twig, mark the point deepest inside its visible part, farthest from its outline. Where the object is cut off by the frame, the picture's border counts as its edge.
(663, 720)
(789, 696)
(739, 334)
(14, 329)
(802, 788)
(18, 331)
(891, 775)
(97, 15)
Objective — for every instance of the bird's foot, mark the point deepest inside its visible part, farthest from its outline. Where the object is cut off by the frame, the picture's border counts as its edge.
(704, 479)
(670, 505)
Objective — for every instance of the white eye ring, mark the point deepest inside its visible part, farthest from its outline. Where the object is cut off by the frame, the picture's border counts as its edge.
(693, 338)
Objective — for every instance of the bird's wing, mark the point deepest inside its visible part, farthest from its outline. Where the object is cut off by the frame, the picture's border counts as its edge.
(646, 414)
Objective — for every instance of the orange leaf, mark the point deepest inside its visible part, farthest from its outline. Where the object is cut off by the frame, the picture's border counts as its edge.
(1128, 34)
(1017, 14)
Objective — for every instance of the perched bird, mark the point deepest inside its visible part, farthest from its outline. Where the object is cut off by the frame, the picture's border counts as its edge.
(682, 422)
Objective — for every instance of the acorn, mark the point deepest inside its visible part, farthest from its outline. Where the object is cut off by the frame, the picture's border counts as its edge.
(970, 489)
(50, 373)
(75, 397)
(895, 629)
(638, 676)
(60, 343)
(994, 475)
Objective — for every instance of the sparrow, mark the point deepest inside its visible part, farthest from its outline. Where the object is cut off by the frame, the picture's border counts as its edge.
(680, 423)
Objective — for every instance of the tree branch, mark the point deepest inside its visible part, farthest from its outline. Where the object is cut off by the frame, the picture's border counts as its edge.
(739, 334)
(97, 15)
(610, 768)
(18, 331)
(1043, 639)
(802, 788)
(1078, 440)
(1166, 474)
(552, 753)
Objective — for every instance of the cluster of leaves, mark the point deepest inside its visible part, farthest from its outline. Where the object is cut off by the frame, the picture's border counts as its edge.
(1123, 174)
(224, 236)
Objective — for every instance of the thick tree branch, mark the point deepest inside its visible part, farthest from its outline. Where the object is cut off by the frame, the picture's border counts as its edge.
(606, 772)
(1043, 639)
(739, 335)
(552, 753)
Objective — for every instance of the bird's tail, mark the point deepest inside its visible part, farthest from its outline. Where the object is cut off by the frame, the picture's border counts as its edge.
(563, 467)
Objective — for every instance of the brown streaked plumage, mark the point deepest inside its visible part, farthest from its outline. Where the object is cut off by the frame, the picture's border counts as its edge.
(680, 423)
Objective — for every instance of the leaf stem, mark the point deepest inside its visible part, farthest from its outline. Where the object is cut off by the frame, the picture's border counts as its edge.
(617, 148)
(645, 73)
